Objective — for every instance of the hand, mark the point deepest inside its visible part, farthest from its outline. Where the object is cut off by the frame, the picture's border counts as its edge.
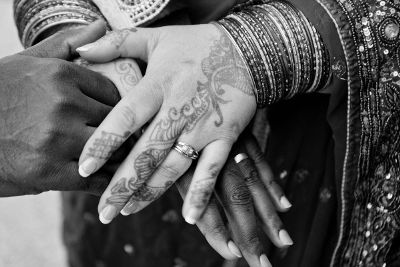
(245, 191)
(124, 72)
(196, 90)
(49, 108)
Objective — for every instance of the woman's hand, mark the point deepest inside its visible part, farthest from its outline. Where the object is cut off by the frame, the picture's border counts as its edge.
(196, 90)
(249, 196)
(124, 72)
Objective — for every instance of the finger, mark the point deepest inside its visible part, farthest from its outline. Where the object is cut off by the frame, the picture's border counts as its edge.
(129, 184)
(73, 182)
(211, 224)
(117, 157)
(165, 175)
(264, 206)
(131, 113)
(210, 163)
(96, 86)
(124, 73)
(278, 197)
(237, 201)
(129, 42)
(91, 111)
(63, 44)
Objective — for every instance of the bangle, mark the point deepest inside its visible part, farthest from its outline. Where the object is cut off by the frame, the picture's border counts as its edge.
(35, 17)
(284, 53)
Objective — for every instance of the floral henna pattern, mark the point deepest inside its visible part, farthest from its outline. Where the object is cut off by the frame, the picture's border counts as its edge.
(222, 72)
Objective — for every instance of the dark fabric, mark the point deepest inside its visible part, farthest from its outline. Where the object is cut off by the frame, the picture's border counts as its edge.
(300, 151)
(157, 236)
(301, 146)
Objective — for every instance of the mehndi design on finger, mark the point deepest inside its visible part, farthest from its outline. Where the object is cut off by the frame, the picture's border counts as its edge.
(104, 146)
(117, 38)
(222, 71)
(126, 69)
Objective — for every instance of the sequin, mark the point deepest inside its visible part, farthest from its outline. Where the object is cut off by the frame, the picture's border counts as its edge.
(392, 30)
(129, 249)
(283, 174)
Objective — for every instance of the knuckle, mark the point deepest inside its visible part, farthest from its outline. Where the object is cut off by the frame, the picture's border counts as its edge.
(228, 135)
(57, 69)
(168, 171)
(215, 230)
(252, 178)
(258, 157)
(214, 169)
(240, 196)
(128, 115)
(201, 192)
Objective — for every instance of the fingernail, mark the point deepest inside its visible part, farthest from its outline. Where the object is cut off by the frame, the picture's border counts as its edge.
(234, 249)
(264, 261)
(129, 208)
(285, 202)
(87, 167)
(107, 214)
(190, 217)
(285, 238)
(85, 48)
(124, 212)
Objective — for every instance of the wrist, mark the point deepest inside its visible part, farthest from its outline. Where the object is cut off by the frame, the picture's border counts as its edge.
(56, 28)
(37, 20)
(283, 51)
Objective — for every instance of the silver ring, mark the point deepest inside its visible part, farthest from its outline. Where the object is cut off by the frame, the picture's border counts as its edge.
(240, 157)
(186, 150)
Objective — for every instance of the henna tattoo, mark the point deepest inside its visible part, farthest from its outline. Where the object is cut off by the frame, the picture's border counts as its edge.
(148, 161)
(201, 192)
(222, 71)
(119, 193)
(136, 188)
(222, 68)
(118, 37)
(128, 73)
(103, 147)
(185, 119)
(128, 193)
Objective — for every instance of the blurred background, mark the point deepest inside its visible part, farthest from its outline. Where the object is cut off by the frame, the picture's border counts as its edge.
(30, 226)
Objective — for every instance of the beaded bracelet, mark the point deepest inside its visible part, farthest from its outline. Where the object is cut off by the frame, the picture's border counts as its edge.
(284, 53)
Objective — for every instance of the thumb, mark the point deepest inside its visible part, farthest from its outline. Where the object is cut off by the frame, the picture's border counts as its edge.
(63, 44)
(130, 42)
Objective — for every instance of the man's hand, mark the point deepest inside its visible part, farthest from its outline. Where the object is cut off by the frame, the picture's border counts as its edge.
(49, 108)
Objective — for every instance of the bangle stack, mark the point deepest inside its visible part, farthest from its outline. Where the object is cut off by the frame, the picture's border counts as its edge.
(284, 53)
(33, 17)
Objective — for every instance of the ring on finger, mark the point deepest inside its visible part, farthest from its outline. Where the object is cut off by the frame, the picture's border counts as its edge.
(186, 150)
(240, 157)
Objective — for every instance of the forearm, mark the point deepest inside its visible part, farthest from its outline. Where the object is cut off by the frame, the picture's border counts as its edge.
(39, 19)
(283, 52)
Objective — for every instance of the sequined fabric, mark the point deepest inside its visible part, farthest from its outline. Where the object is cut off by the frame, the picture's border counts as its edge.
(130, 13)
(369, 31)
